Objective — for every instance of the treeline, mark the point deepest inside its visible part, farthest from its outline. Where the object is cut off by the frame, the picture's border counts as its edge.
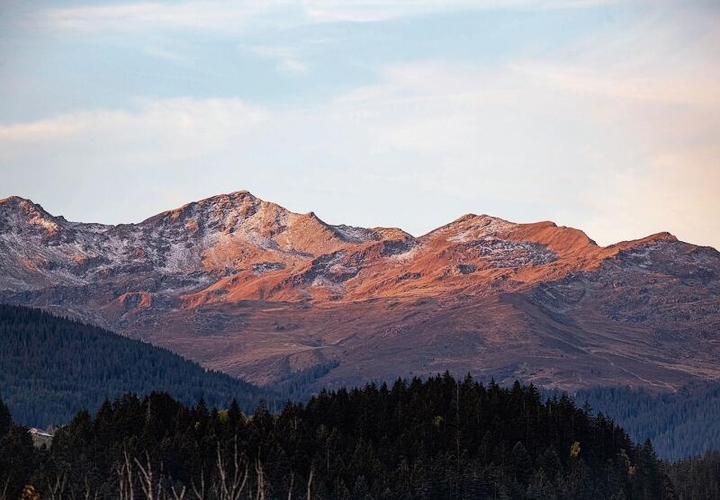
(432, 439)
(298, 386)
(681, 424)
(51, 367)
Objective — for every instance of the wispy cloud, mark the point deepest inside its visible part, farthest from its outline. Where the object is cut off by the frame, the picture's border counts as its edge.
(129, 17)
(165, 54)
(239, 15)
(156, 130)
(697, 88)
(670, 56)
(292, 66)
(288, 60)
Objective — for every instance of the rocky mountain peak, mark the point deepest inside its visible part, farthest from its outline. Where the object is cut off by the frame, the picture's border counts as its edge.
(17, 212)
(657, 237)
(470, 227)
(222, 211)
(22, 205)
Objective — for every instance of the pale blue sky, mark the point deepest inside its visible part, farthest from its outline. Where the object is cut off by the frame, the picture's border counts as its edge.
(596, 114)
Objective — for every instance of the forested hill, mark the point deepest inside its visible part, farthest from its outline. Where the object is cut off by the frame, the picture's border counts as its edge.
(52, 367)
(680, 424)
(434, 439)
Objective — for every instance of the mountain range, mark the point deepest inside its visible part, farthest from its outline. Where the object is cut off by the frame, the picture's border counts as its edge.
(246, 287)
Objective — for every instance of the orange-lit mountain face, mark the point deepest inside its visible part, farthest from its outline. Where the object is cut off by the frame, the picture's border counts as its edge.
(250, 288)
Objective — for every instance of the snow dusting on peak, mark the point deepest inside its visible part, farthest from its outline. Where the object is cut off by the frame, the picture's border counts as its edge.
(356, 234)
(19, 212)
(10, 200)
(225, 210)
(473, 227)
(22, 205)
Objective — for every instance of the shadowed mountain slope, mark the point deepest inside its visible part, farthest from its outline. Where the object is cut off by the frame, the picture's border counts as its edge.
(50, 368)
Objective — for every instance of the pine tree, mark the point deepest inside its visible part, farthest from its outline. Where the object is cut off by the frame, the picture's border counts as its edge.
(5, 419)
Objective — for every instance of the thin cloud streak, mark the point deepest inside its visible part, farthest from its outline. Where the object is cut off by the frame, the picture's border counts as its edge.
(288, 58)
(238, 16)
(700, 89)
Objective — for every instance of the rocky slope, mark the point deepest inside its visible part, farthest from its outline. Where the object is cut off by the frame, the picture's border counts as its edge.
(250, 288)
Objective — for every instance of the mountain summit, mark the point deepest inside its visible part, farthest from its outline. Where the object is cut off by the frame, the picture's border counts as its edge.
(245, 286)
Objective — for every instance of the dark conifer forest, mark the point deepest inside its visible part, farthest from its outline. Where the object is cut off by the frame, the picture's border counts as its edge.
(158, 426)
(432, 439)
(52, 367)
(697, 478)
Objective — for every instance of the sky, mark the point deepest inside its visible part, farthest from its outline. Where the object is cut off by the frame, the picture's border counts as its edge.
(596, 114)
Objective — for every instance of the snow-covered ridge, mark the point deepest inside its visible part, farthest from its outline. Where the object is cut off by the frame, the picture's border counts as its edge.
(208, 236)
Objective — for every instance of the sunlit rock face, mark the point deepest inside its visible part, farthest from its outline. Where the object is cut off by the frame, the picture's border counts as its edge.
(245, 286)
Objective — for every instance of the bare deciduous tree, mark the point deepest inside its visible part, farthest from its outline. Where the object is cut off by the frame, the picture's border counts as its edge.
(125, 478)
(231, 487)
(152, 488)
(56, 490)
(87, 493)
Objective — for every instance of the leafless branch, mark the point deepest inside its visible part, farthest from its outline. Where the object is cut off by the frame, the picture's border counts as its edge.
(176, 495)
(309, 484)
(57, 489)
(199, 493)
(292, 483)
(3, 493)
(260, 480)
